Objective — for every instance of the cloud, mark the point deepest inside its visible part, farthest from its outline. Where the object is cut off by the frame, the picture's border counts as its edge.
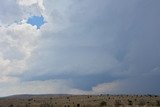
(106, 88)
(74, 47)
(111, 38)
(6, 79)
(14, 11)
(96, 46)
(9, 12)
(17, 43)
(80, 41)
(37, 87)
(39, 3)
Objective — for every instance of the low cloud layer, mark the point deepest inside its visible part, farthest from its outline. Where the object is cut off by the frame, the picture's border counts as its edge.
(85, 47)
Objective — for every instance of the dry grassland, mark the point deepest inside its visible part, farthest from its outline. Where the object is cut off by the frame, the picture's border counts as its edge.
(81, 101)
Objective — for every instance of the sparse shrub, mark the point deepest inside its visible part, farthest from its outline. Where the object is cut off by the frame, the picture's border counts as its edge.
(107, 94)
(30, 99)
(27, 105)
(141, 103)
(130, 102)
(158, 103)
(156, 96)
(78, 105)
(10, 105)
(88, 105)
(46, 105)
(103, 103)
(118, 103)
(149, 95)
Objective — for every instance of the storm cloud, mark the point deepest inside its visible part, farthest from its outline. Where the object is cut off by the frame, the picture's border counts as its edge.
(85, 47)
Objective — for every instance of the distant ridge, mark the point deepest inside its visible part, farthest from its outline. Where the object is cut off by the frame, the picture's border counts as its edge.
(27, 96)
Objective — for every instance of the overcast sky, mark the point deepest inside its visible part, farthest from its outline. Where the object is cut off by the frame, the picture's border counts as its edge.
(79, 47)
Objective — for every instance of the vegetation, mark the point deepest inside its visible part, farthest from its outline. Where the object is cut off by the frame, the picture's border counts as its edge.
(83, 101)
(103, 103)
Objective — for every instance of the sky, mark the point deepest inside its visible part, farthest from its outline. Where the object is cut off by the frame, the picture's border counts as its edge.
(37, 21)
(79, 47)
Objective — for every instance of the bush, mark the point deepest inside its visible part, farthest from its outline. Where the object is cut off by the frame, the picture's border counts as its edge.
(46, 105)
(118, 103)
(78, 105)
(103, 103)
(158, 103)
(130, 102)
(10, 105)
(141, 103)
(30, 99)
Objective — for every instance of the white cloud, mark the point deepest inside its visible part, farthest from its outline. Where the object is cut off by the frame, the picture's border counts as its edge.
(8, 80)
(39, 3)
(107, 87)
(16, 46)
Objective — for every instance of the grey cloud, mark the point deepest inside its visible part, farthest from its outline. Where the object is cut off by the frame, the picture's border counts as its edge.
(9, 12)
(91, 38)
(83, 82)
(117, 38)
(144, 84)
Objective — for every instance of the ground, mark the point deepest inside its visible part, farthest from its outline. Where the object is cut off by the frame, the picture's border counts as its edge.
(81, 101)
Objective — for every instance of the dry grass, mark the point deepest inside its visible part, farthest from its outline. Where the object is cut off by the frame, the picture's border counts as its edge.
(82, 101)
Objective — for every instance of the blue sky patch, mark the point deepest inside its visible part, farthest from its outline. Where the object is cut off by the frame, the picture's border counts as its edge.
(36, 20)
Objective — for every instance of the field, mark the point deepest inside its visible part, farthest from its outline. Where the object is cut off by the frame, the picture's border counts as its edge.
(81, 101)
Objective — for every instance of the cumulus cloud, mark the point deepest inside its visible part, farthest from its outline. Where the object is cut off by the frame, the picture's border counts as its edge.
(17, 43)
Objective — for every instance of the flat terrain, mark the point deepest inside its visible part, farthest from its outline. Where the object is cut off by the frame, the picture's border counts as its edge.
(81, 101)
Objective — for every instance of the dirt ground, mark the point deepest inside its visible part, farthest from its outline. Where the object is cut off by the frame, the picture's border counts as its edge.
(81, 101)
